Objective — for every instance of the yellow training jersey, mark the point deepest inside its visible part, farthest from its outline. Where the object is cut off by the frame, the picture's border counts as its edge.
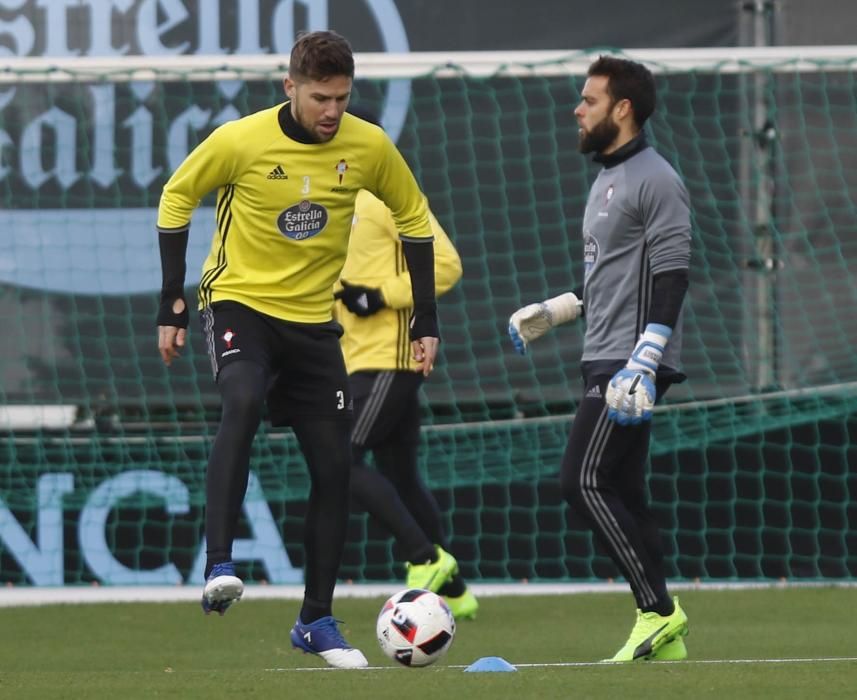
(284, 209)
(375, 259)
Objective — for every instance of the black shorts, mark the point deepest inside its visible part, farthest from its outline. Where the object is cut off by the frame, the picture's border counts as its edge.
(307, 377)
(386, 407)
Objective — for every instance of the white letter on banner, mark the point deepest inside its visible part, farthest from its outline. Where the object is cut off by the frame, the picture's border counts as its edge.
(283, 24)
(208, 30)
(64, 126)
(248, 28)
(93, 525)
(101, 26)
(56, 27)
(266, 545)
(178, 139)
(149, 31)
(142, 126)
(43, 564)
(103, 138)
(19, 30)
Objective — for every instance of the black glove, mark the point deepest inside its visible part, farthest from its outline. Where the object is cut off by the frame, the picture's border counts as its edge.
(166, 315)
(359, 300)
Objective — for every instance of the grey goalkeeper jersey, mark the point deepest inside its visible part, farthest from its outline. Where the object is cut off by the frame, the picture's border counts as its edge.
(636, 225)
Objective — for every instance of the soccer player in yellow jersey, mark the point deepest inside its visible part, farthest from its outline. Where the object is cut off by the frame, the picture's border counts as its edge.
(287, 178)
(374, 305)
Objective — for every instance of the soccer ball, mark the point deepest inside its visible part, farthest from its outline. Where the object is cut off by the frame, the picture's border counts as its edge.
(415, 627)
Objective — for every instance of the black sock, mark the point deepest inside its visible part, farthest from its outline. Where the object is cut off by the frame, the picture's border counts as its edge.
(424, 556)
(313, 610)
(664, 608)
(454, 587)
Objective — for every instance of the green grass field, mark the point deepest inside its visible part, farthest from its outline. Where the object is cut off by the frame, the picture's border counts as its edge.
(778, 643)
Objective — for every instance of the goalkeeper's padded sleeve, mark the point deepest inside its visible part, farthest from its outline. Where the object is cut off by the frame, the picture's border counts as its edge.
(173, 246)
(420, 260)
(668, 292)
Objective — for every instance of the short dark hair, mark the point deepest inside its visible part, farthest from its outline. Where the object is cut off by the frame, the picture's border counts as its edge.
(321, 55)
(627, 80)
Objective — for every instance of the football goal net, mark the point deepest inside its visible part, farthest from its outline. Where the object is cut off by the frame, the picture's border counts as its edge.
(102, 459)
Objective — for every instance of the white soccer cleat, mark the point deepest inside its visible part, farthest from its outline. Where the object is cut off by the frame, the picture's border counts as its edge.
(222, 588)
(323, 638)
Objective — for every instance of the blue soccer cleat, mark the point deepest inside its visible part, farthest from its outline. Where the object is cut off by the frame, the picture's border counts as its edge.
(323, 638)
(222, 588)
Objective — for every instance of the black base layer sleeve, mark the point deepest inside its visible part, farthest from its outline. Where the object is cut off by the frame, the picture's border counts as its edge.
(668, 291)
(173, 246)
(420, 259)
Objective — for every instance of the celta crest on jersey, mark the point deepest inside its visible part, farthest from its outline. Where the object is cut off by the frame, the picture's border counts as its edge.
(302, 220)
(341, 167)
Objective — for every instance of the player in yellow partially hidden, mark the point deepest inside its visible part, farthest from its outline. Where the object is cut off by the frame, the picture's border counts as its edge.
(374, 305)
(287, 179)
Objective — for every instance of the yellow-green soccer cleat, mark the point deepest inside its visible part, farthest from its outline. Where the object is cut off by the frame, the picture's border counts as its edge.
(671, 651)
(464, 606)
(650, 634)
(433, 574)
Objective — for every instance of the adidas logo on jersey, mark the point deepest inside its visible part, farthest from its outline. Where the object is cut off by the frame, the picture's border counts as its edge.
(278, 174)
(594, 392)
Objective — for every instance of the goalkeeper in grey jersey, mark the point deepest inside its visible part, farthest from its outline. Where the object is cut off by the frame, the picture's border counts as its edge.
(636, 243)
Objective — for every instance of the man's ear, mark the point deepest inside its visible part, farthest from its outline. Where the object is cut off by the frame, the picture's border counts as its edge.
(289, 87)
(624, 110)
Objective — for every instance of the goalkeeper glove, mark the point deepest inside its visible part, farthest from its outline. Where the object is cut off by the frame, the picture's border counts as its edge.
(359, 300)
(631, 392)
(534, 320)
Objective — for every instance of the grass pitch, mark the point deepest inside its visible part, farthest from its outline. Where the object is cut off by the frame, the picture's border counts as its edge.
(777, 643)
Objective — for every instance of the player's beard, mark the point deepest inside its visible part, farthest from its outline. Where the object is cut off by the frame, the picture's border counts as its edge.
(310, 127)
(600, 137)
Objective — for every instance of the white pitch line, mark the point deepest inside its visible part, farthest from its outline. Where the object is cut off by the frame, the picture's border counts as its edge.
(687, 661)
(589, 664)
(20, 596)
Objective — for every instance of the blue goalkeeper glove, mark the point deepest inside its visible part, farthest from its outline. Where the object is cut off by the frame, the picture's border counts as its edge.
(631, 392)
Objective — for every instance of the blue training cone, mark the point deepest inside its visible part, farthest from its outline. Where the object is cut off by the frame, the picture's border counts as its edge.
(490, 664)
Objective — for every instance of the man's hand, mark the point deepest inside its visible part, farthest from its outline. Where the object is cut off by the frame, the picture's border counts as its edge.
(172, 337)
(359, 300)
(534, 320)
(631, 392)
(425, 353)
(630, 397)
(425, 338)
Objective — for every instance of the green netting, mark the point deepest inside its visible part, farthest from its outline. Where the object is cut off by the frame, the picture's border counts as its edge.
(103, 451)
